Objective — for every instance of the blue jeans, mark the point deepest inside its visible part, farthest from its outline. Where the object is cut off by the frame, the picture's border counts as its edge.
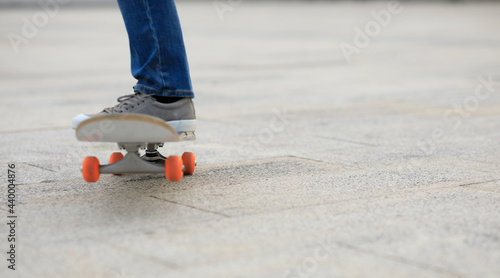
(157, 51)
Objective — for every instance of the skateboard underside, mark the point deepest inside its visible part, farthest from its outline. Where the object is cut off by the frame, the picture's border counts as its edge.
(134, 132)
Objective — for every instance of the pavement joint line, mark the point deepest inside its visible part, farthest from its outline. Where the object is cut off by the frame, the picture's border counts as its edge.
(193, 207)
(481, 182)
(253, 162)
(373, 197)
(139, 254)
(322, 161)
(399, 259)
(458, 165)
(348, 141)
(75, 181)
(483, 189)
(347, 164)
(256, 161)
(391, 165)
(116, 233)
(480, 161)
(29, 164)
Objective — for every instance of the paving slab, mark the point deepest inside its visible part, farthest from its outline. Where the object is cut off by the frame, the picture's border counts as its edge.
(309, 164)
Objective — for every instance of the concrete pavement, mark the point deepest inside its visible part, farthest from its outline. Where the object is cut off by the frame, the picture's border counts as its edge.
(332, 142)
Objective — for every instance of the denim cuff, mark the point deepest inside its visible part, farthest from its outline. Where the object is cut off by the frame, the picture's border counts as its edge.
(164, 93)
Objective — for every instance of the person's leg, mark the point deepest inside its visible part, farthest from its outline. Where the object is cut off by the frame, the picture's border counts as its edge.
(157, 51)
(159, 64)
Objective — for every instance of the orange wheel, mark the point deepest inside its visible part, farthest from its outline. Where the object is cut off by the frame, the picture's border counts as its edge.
(189, 162)
(173, 168)
(115, 157)
(90, 169)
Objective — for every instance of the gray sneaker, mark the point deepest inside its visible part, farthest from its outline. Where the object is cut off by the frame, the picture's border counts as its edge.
(180, 115)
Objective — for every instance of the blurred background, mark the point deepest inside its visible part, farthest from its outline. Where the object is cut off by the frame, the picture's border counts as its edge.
(85, 2)
(79, 55)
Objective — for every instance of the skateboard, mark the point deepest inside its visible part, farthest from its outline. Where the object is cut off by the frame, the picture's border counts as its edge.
(134, 132)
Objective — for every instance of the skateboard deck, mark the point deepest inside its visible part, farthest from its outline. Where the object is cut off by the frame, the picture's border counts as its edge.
(134, 132)
(126, 128)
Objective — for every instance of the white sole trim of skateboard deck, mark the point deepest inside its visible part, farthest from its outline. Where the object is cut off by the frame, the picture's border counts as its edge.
(183, 125)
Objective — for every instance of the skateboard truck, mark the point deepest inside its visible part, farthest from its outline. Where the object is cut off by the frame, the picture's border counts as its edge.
(174, 166)
(152, 162)
(153, 155)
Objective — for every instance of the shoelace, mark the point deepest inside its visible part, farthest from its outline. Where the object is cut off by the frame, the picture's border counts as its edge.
(127, 102)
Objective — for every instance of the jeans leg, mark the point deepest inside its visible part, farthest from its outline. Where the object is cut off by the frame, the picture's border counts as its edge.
(158, 55)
